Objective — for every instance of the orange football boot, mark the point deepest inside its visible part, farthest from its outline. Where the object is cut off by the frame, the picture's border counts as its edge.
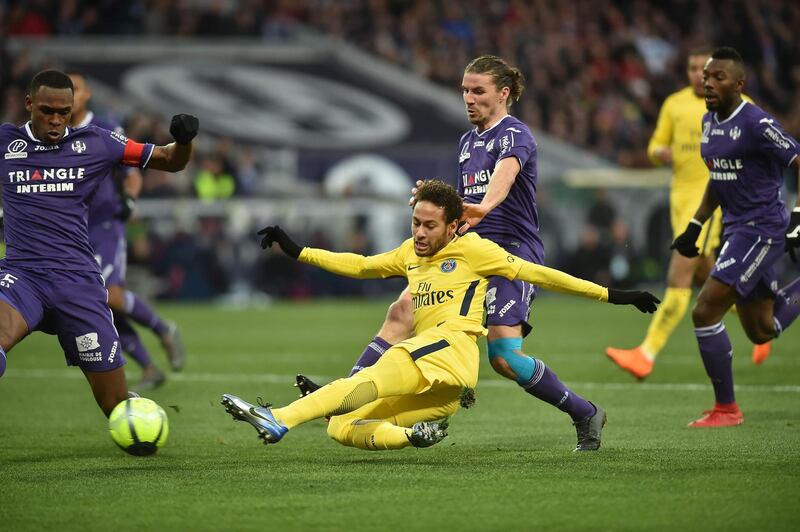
(635, 361)
(761, 352)
(720, 416)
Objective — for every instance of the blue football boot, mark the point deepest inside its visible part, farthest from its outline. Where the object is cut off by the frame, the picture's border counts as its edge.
(269, 430)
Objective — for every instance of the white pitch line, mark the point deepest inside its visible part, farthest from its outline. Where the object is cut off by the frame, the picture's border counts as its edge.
(272, 378)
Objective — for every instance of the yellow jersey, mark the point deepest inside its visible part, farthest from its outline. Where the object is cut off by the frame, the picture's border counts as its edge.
(679, 128)
(448, 288)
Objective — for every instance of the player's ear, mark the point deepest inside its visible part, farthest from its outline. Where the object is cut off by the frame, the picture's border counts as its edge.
(28, 103)
(451, 227)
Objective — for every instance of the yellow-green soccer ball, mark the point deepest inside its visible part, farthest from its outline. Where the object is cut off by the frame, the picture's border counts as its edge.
(139, 426)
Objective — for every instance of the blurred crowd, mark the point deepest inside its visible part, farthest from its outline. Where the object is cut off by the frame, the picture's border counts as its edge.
(597, 72)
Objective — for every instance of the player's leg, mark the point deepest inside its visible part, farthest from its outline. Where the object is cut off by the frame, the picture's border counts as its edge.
(712, 304)
(682, 273)
(508, 305)
(152, 376)
(110, 246)
(13, 328)
(82, 319)
(767, 315)
(395, 373)
(639, 360)
(109, 387)
(397, 326)
(21, 308)
(397, 422)
(135, 308)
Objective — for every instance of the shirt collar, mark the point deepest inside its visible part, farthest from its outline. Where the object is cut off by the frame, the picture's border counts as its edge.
(482, 133)
(31, 136)
(734, 113)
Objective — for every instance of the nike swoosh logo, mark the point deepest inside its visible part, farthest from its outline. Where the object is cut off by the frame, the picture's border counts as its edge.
(414, 267)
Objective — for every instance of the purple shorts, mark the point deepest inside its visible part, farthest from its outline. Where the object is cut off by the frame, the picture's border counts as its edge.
(747, 262)
(70, 304)
(110, 250)
(509, 303)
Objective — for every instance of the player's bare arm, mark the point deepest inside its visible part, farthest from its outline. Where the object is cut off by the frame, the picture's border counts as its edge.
(174, 157)
(500, 183)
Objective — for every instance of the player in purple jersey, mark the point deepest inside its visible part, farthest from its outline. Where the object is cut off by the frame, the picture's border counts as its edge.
(108, 211)
(49, 280)
(497, 179)
(746, 151)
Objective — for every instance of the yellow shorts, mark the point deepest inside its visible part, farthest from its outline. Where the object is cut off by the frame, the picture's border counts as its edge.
(682, 206)
(444, 357)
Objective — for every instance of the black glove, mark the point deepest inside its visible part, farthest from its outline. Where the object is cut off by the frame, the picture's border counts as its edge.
(793, 234)
(274, 233)
(686, 242)
(127, 204)
(644, 301)
(184, 128)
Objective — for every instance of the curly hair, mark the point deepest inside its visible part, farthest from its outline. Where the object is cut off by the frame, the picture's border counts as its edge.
(442, 195)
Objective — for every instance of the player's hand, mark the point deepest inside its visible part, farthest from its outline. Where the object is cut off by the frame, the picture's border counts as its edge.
(274, 233)
(413, 199)
(686, 242)
(644, 301)
(663, 154)
(127, 204)
(184, 128)
(473, 214)
(793, 234)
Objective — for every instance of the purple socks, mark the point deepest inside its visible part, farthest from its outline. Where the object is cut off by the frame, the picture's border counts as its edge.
(717, 354)
(371, 354)
(787, 306)
(143, 314)
(546, 386)
(131, 343)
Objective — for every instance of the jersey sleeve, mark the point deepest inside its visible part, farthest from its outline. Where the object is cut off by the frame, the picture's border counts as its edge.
(559, 281)
(487, 258)
(125, 151)
(662, 136)
(775, 142)
(516, 142)
(389, 264)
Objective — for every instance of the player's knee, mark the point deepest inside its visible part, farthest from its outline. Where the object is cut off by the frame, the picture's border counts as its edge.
(507, 359)
(761, 332)
(338, 428)
(700, 314)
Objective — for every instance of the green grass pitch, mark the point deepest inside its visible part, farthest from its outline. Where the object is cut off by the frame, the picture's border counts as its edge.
(507, 464)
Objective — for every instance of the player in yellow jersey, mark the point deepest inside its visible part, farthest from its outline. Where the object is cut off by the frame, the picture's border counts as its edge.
(676, 141)
(395, 402)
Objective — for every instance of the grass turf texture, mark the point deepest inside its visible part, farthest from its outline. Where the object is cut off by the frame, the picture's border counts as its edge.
(507, 464)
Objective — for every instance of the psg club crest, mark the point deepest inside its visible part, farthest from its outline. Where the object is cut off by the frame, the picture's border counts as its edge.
(448, 266)
(78, 146)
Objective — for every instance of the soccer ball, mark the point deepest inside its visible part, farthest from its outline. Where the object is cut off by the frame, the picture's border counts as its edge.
(138, 426)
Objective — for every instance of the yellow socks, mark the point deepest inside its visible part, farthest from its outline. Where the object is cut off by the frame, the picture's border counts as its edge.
(666, 318)
(368, 434)
(338, 397)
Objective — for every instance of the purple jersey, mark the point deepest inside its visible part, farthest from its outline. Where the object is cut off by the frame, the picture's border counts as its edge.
(105, 205)
(746, 155)
(514, 224)
(47, 187)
